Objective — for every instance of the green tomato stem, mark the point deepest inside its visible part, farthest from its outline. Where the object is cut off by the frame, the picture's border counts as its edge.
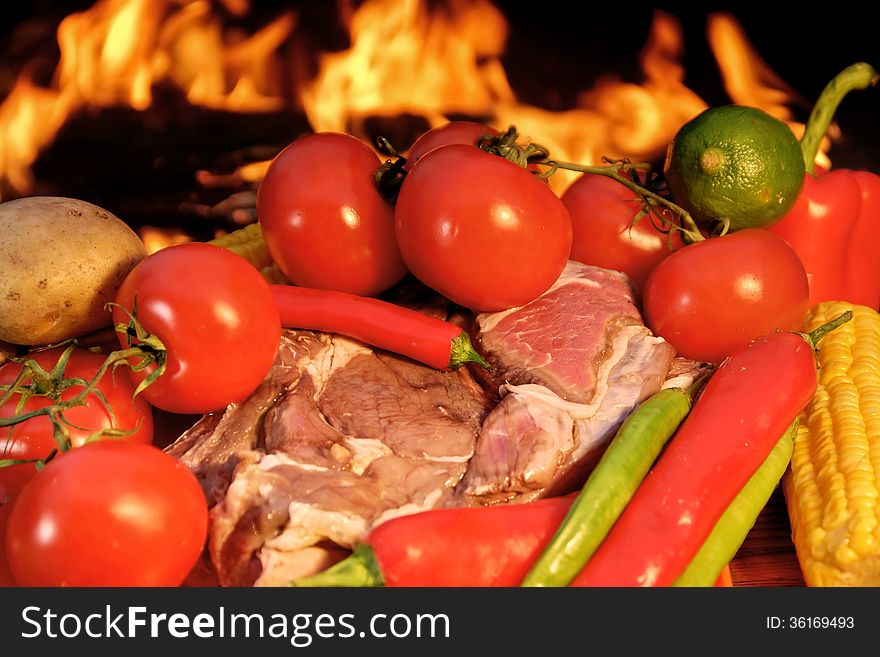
(689, 226)
(51, 384)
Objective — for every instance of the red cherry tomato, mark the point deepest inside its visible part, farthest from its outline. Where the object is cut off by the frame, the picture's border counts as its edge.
(215, 315)
(454, 132)
(108, 514)
(480, 230)
(713, 297)
(602, 212)
(34, 438)
(8, 495)
(325, 224)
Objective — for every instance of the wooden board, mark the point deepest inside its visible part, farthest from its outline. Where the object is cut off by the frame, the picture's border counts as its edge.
(767, 557)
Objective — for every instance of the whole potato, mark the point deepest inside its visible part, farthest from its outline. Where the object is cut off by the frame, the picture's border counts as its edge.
(61, 260)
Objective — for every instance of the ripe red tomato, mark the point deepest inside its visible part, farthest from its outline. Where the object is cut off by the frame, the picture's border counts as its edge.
(325, 224)
(108, 514)
(215, 315)
(480, 230)
(8, 495)
(602, 212)
(34, 438)
(454, 132)
(713, 297)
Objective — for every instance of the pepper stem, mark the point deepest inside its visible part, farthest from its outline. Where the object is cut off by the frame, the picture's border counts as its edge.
(857, 76)
(817, 334)
(463, 351)
(358, 570)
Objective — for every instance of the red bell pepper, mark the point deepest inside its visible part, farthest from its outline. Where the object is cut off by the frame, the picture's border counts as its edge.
(835, 224)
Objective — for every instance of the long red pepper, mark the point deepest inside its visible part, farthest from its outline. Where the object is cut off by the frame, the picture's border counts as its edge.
(835, 224)
(747, 405)
(381, 324)
(477, 546)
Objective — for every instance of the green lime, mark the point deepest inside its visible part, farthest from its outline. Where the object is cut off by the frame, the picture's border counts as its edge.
(735, 163)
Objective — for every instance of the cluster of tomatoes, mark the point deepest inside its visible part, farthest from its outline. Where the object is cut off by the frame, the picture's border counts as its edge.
(478, 229)
(489, 235)
(485, 232)
(120, 511)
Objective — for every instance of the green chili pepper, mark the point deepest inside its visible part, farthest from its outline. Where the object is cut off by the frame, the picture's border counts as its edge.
(611, 485)
(735, 523)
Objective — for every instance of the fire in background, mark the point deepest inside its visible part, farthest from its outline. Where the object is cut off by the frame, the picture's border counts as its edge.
(428, 61)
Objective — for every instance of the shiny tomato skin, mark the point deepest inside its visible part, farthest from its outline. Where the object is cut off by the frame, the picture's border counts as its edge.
(108, 514)
(602, 212)
(454, 132)
(8, 495)
(325, 224)
(217, 318)
(34, 438)
(480, 230)
(713, 297)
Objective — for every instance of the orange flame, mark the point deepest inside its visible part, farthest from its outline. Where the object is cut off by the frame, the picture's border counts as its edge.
(406, 56)
(750, 81)
(116, 51)
(155, 238)
(406, 59)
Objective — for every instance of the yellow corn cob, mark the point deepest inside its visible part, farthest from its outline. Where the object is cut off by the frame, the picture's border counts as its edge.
(831, 489)
(248, 243)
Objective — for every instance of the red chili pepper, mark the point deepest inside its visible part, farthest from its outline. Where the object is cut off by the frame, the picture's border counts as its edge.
(834, 226)
(478, 546)
(747, 405)
(381, 324)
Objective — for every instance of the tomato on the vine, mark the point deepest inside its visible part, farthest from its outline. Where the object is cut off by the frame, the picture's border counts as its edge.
(602, 214)
(34, 438)
(216, 317)
(8, 494)
(108, 514)
(323, 219)
(480, 230)
(710, 298)
(454, 132)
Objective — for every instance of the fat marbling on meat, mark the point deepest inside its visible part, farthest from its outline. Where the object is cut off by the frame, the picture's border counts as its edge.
(349, 438)
(341, 437)
(569, 367)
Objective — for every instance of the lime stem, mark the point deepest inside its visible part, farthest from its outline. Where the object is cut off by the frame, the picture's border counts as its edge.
(690, 228)
(857, 76)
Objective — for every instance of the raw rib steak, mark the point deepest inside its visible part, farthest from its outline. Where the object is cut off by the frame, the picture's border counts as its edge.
(569, 367)
(337, 439)
(340, 437)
